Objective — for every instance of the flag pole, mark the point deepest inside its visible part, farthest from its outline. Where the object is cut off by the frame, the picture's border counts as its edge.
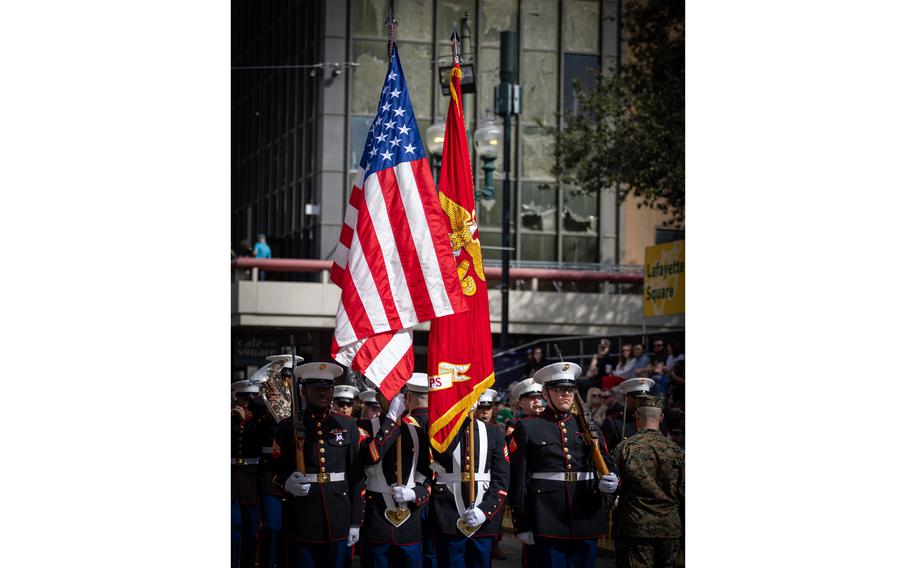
(392, 24)
(453, 37)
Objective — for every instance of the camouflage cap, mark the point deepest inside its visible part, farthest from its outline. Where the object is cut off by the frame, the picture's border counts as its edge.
(648, 401)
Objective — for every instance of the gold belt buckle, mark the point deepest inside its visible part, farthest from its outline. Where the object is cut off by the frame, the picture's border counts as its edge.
(240, 461)
(322, 478)
(571, 476)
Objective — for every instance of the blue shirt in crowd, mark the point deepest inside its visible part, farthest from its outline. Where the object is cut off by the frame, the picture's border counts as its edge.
(262, 250)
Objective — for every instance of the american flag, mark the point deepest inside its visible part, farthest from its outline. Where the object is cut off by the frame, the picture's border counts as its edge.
(394, 261)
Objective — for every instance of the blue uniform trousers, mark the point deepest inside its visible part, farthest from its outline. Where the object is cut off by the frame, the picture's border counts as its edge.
(270, 531)
(381, 555)
(457, 551)
(317, 554)
(563, 553)
(244, 522)
(429, 551)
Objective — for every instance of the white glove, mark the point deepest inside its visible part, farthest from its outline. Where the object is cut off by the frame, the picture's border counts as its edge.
(353, 536)
(396, 407)
(296, 485)
(402, 494)
(608, 483)
(526, 537)
(474, 517)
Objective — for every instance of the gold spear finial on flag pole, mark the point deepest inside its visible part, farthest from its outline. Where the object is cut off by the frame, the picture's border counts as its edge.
(391, 23)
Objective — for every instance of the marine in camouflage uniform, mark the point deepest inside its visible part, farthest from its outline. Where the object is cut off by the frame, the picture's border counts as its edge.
(651, 493)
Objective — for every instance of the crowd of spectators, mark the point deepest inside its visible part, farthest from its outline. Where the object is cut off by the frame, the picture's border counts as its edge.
(664, 363)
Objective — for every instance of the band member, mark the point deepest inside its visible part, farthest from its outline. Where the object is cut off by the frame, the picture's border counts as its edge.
(397, 489)
(269, 495)
(556, 495)
(343, 400)
(452, 515)
(370, 406)
(246, 447)
(324, 508)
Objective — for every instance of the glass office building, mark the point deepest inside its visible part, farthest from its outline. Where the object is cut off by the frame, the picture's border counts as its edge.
(305, 81)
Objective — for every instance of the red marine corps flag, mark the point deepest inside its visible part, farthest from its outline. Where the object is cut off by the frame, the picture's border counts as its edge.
(460, 356)
(393, 262)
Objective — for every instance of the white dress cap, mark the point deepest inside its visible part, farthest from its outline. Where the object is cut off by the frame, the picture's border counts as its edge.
(319, 371)
(368, 397)
(419, 383)
(244, 386)
(346, 391)
(636, 386)
(486, 397)
(558, 373)
(526, 387)
(287, 357)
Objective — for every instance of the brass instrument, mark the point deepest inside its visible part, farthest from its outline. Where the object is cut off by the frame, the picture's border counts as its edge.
(274, 389)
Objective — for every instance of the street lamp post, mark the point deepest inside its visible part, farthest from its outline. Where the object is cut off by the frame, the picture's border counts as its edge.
(508, 103)
(436, 133)
(487, 139)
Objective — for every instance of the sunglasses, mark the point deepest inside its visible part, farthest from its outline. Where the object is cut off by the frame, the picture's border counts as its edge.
(344, 402)
(595, 396)
(565, 390)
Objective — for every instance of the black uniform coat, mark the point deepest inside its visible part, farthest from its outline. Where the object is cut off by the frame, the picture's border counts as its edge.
(443, 511)
(422, 416)
(555, 509)
(265, 432)
(376, 528)
(246, 443)
(329, 509)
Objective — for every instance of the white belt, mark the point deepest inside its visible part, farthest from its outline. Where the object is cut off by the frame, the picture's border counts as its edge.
(461, 477)
(244, 461)
(568, 476)
(323, 477)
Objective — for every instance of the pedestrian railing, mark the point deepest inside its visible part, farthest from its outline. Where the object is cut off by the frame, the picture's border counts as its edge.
(620, 275)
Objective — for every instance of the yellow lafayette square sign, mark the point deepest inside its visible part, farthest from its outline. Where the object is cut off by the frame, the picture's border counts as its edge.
(665, 279)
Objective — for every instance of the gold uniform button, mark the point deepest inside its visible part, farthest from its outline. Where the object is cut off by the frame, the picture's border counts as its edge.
(565, 440)
(568, 466)
(568, 456)
(322, 460)
(321, 441)
(322, 469)
(321, 450)
(319, 432)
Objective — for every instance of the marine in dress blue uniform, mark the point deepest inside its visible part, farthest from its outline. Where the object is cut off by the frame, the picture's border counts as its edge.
(558, 499)
(343, 399)
(449, 501)
(246, 448)
(383, 543)
(323, 509)
(416, 397)
(270, 496)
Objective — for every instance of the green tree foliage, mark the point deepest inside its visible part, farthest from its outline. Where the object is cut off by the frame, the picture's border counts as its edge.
(630, 129)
